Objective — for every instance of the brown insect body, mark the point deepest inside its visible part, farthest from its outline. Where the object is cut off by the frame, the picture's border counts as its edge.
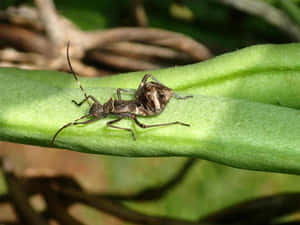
(149, 99)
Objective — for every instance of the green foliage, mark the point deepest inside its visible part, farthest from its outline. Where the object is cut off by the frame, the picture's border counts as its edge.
(292, 9)
(219, 26)
(208, 36)
(90, 15)
(203, 9)
(5, 3)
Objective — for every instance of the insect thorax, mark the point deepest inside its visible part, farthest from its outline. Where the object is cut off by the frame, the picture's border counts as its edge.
(96, 109)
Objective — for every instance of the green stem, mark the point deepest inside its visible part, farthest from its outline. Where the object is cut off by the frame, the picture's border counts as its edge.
(240, 133)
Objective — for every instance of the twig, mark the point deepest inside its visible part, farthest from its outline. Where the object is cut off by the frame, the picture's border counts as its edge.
(12, 55)
(35, 185)
(192, 48)
(94, 39)
(121, 62)
(269, 13)
(56, 208)
(24, 66)
(25, 39)
(61, 192)
(119, 210)
(155, 193)
(59, 30)
(22, 15)
(21, 203)
(139, 13)
(50, 20)
(259, 211)
(149, 194)
(140, 50)
(80, 68)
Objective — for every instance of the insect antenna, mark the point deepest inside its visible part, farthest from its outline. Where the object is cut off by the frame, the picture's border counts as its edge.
(74, 74)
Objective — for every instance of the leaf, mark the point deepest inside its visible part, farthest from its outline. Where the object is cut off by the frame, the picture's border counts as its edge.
(235, 132)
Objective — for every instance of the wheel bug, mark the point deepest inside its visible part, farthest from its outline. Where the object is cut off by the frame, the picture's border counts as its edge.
(149, 99)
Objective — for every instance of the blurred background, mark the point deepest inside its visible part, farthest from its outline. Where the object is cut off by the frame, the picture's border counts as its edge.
(110, 37)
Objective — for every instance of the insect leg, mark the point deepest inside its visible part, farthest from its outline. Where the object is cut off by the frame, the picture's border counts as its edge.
(67, 125)
(147, 76)
(157, 125)
(75, 123)
(86, 99)
(124, 90)
(144, 80)
(157, 81)
(175, 95)
(109, 124)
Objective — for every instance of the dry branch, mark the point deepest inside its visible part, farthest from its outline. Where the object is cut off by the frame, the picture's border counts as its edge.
(146, 51)
(25, 39)
(173, 47)
(20, 201)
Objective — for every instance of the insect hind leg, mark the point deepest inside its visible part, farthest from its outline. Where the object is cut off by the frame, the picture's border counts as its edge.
(158, 125)
(75, 123)
(109, 124)
(65, 126)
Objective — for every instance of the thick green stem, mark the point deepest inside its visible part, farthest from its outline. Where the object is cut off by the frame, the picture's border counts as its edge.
(240, 133)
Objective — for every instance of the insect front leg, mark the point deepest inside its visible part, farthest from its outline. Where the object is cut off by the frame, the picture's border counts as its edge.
(146, 77)
(109, 124)
(157, 125)
(86, 100)
(174, 94)
(75, 123)
(141, 85)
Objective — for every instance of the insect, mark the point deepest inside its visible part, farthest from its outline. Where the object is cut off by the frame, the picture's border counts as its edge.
(149, 99)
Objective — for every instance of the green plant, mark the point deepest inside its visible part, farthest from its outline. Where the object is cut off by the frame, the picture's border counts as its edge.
(233, 131)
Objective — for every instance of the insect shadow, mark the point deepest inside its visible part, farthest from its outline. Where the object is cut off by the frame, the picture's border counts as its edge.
(149, 99)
